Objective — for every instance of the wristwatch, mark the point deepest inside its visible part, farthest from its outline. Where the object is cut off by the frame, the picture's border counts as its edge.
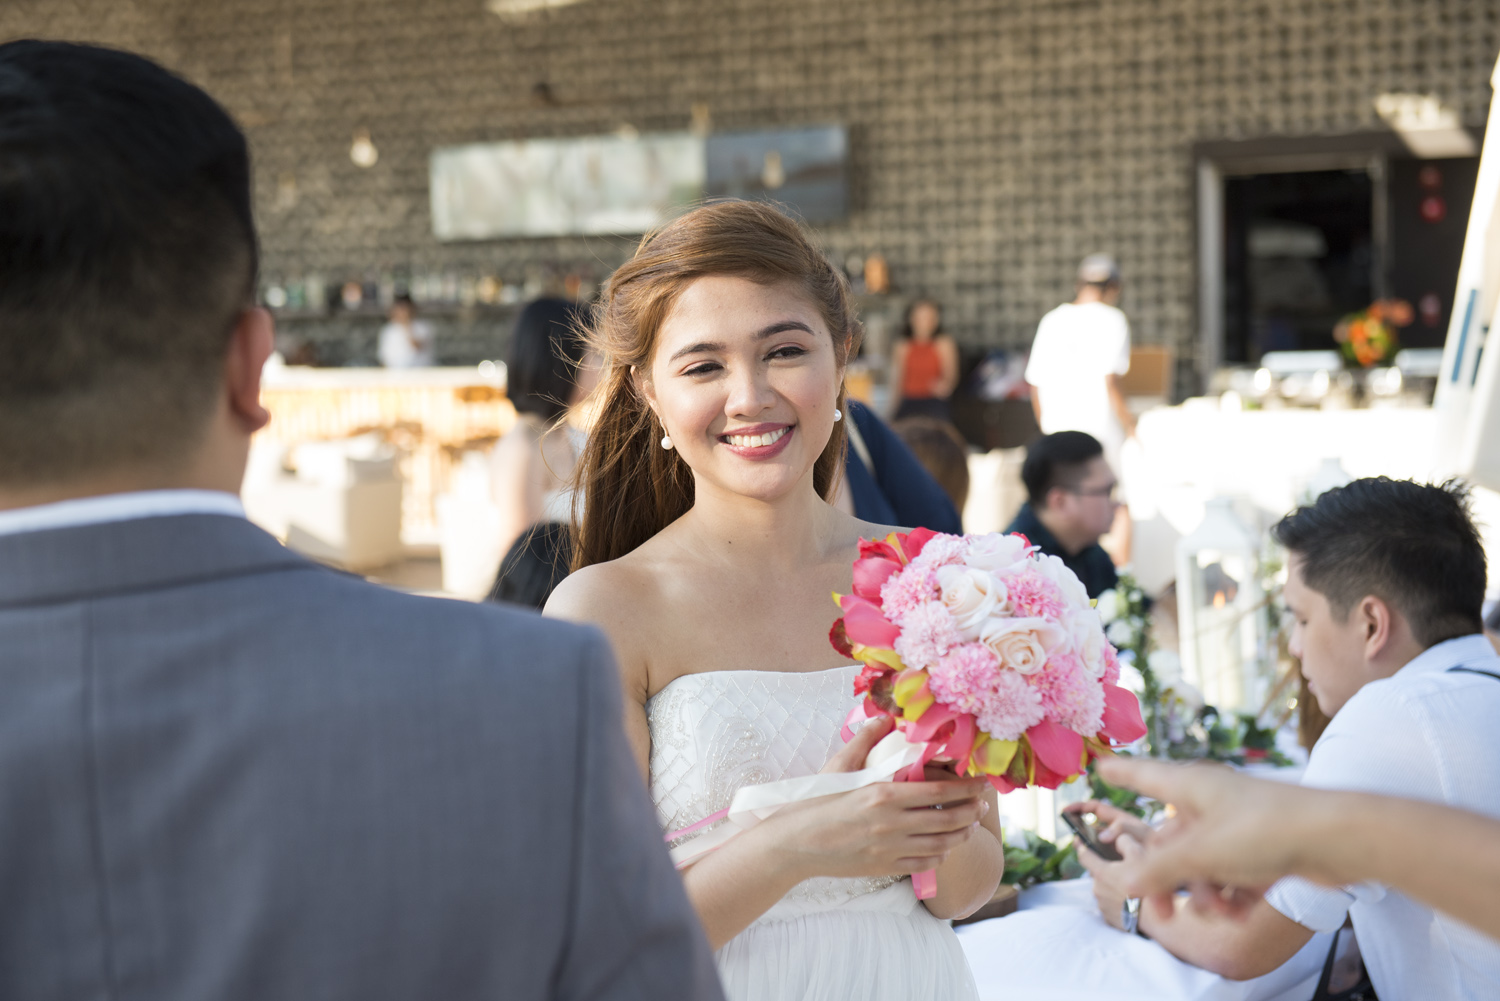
(1130, 915)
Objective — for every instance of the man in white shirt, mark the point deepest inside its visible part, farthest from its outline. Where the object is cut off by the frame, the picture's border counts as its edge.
(1386, 579)
(1081, 350)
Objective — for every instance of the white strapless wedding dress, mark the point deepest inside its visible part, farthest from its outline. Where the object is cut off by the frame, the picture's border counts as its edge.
(828, 939)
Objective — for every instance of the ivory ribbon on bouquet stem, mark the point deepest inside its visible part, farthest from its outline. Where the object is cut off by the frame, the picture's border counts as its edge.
(754, 803)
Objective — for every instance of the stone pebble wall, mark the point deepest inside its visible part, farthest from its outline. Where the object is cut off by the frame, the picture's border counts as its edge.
(993, 144)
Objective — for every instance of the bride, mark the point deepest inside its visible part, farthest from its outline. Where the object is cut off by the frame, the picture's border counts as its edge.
(709, 560)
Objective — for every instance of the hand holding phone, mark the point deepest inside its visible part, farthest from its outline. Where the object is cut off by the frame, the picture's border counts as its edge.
(1083, 826)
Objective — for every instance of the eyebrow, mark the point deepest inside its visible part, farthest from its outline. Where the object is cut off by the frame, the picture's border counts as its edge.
(776, 328)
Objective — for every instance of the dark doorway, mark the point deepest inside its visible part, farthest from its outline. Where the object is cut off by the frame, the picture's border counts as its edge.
(1299, 253)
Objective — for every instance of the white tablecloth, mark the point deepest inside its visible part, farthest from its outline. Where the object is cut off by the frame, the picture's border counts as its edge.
(1058, 948)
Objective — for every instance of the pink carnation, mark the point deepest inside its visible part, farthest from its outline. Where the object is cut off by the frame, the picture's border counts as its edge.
(942, 551)
(1011, 707)
(964, 678)
(1032, 595)
(927, 633)
(905, 590)
(1070, 697)
(1111, 666)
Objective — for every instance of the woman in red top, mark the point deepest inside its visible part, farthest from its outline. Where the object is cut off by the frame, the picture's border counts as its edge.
(924, 364)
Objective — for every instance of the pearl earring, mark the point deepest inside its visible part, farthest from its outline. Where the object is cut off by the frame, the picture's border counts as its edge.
(838, 415)
(666, 442)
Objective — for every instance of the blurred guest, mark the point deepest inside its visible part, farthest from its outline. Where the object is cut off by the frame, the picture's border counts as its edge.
(1070, 505)
(549, 373)
(886, 484)
(406, 342)
(1385, 581)
(1231, 836)
(924, 364)
(229, 772)
(1081, 350)
(942, 451)
(536, 562)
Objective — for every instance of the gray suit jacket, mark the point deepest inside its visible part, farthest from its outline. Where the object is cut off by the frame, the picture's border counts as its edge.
(226, 772)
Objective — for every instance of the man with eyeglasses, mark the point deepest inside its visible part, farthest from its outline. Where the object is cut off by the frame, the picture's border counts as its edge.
(1071, 503)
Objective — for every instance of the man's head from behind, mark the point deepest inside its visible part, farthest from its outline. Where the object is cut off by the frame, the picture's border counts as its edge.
(128, 257)
(1070, 486)
(1379, 570)
(1098, 279)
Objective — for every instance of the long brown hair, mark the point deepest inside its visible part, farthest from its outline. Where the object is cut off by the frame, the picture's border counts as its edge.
(633, 487)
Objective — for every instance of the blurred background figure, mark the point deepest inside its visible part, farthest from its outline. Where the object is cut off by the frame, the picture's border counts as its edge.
(549, 373)
(406, 342)
(942, 451)
(886, 484)
(534, 565)
(1070, 505)
(924, 365)
(1081, 351)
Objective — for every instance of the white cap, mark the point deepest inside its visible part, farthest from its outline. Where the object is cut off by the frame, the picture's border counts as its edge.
(1098, 269)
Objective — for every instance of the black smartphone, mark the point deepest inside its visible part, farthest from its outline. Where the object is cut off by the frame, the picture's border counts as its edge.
(1089, 836)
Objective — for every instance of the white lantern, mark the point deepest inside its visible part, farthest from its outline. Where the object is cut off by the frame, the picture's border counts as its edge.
(1219, 610)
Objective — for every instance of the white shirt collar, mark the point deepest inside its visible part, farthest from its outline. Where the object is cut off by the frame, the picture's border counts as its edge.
(1451, 653)
(118, 507)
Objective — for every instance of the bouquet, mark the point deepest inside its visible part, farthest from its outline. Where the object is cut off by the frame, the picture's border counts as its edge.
(989, 655)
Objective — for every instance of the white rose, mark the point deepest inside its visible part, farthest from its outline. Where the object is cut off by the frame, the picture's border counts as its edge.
(1066, 580)
(1021, 644)
(1120, 633)
(1108, 606)
(995, 552)
(970, 596)
(1088, 643)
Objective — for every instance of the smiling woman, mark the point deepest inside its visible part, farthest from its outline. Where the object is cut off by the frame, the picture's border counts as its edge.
(672, 287)
(708, 553)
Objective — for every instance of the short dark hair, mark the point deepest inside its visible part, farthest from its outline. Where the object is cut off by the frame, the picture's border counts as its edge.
(127, 247)
(1413, 545)
(546, 347)
(1057, 460)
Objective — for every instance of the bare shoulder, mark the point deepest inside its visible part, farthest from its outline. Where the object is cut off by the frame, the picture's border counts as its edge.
(602, 593)
(621, 597)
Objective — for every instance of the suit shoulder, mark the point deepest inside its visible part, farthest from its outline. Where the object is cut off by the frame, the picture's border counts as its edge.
(455, 632)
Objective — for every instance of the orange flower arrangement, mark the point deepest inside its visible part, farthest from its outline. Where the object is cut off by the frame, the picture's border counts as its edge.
(1368, 337)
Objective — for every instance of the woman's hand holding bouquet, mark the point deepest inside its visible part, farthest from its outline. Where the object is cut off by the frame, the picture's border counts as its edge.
(881, 829)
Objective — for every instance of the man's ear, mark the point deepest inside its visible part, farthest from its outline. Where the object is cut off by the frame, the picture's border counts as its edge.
(1377, 622)
(252, 342)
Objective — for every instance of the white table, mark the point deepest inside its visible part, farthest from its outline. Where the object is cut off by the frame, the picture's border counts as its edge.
(1058, 948)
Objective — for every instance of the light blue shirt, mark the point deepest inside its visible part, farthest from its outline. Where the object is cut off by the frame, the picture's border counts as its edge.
(1429, 734)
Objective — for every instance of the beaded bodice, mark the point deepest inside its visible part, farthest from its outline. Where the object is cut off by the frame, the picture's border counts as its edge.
(716, 731)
